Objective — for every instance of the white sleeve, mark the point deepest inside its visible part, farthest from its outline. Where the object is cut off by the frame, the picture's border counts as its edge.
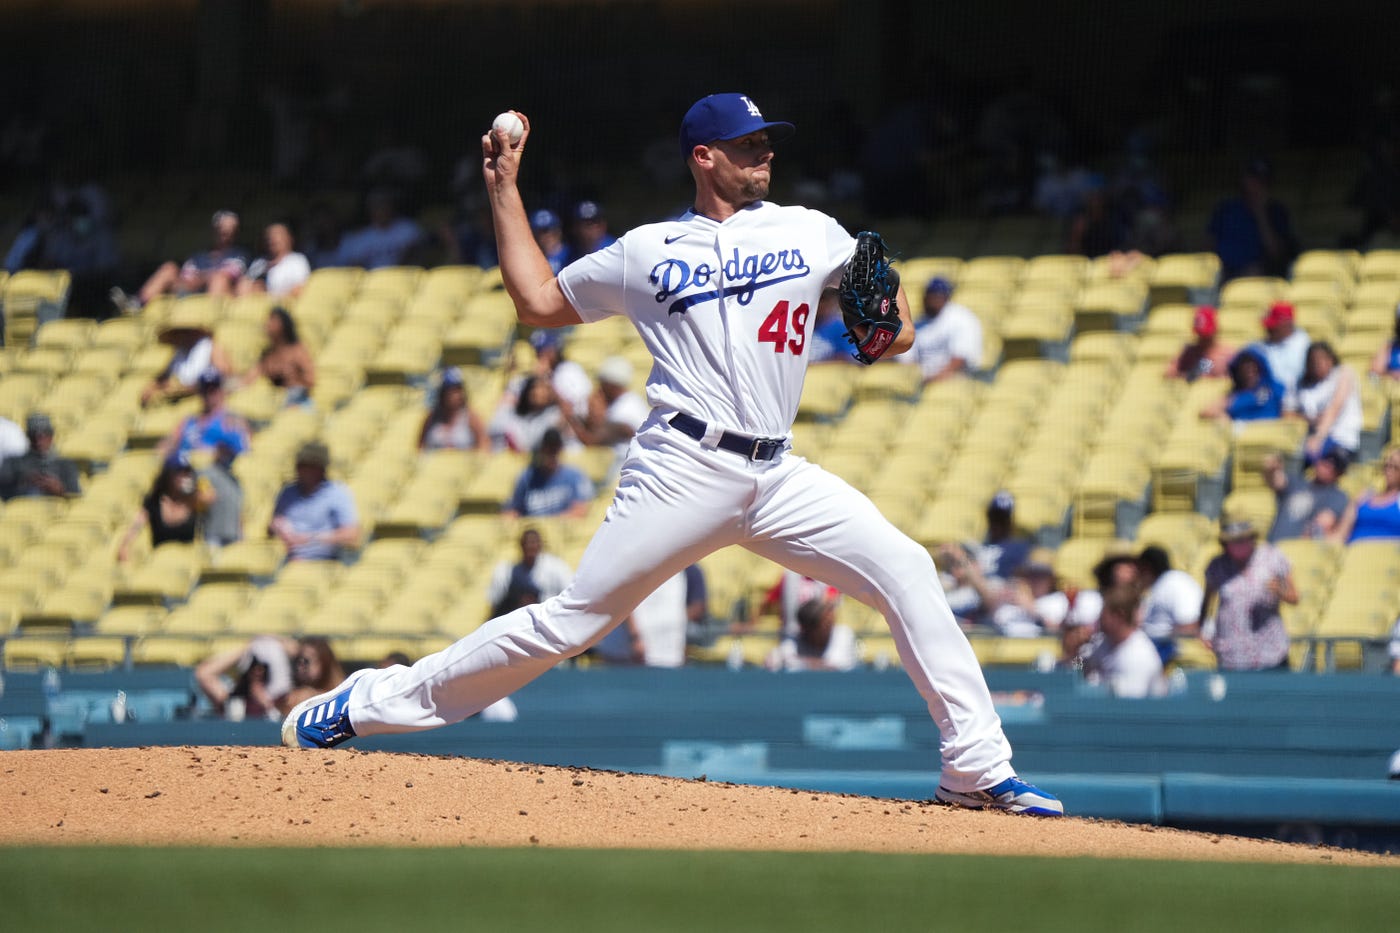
(1184, 598)
(840, 245)
(593, 284)
(967, 341)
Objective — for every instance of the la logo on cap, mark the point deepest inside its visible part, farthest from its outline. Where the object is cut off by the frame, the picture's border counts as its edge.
(753, 108)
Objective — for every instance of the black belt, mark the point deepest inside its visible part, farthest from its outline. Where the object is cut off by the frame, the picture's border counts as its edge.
(750, 448)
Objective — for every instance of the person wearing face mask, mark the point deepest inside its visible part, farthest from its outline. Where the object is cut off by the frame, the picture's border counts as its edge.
(172, 509)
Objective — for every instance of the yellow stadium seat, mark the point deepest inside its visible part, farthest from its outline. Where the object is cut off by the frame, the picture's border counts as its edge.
(131, 620)
(1377, 292)
(1380, 265)
(1326, 265)
(1182, 277)
(30, 295)
(1257, 440)
(244, 561)
(35, 653)
(396, 282)
(181, 651)
(69, 334)
(96, 652)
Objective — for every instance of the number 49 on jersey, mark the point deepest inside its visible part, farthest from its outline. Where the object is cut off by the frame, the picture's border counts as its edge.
(785, 330)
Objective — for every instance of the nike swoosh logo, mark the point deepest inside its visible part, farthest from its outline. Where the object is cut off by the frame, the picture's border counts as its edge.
(672, 239)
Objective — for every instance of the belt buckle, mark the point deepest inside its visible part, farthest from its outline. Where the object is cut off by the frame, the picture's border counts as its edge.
(763, 448)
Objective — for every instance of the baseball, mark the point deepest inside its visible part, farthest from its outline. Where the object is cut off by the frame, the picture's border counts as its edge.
(510, 124)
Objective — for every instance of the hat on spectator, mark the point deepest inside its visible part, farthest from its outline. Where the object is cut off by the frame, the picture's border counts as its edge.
(178, 461)
(1280, 312)
(615, 370)
(938, 285)
(1002, 503)
(726, 116)
(588, 211)
(451, 376)
(314, 453)
(210, 378)
(544, 219)
(1206, 322)
(1237, 529)
(544, 339)
(38, 423)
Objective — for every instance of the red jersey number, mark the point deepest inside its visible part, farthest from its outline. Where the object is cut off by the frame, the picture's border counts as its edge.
(780, 322)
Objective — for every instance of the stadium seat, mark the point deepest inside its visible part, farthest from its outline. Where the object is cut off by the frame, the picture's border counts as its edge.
(1183, 277)
(70, 334)
(35, 653)
(1109, 306)
(181, 651)
(30, 296)
(1380, 265)
(131, 620)
(96, 652)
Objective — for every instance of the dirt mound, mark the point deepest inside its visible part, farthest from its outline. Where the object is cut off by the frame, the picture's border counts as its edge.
(269, 796)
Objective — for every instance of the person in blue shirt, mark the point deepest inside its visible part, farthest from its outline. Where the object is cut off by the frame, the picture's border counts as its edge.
(548, 486)
(590, 232)
(549, 234)
(1254, 393)
(1252, 232)
(314, 517)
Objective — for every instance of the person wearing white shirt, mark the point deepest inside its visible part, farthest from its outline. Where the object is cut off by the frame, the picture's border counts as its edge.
(615, 412)
(546, 573)
(1172, 604)
(948, 339)
(1329, 400)
(822, 643)
(281, 272)
(654, 634)
(1285, 346)
(1122, 657)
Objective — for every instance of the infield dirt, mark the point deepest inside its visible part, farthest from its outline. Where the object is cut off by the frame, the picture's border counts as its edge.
(269, 796)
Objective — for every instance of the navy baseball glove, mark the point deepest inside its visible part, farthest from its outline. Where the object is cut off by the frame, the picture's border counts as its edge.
(869, 287)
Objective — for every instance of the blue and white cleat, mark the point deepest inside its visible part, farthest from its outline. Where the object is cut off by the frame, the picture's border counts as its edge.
(1012, 795)
(322, 721)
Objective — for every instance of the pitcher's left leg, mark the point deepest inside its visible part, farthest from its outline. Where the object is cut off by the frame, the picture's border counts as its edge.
(817, 524)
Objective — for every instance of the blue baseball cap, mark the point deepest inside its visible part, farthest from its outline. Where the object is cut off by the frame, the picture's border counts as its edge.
(726, 116)
(544, 219)
(939, 285)
(178, 461)
(544, 339)
(451, 376)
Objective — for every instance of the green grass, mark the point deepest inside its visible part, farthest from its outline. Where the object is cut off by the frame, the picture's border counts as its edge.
(579, 891)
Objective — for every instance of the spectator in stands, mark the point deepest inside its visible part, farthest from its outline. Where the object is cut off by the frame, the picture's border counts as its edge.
(549, 234)
(172, 510)
(215, 427)
(249, 681)
(13, 442)
(1252, 232)
(1244, 586)
(615, 412)
(315, 669)
(538, 570)
(548, 486)
(1171, 604)
(1254, 392)
(214, 271)
(971, 595)
(521, 425)
(470, 236)
(590, 230)
(1330, 401)
(654, 634)
(571, 384)
(315, 517)
(281, 272)
(948, 339)
(1207, 355)
(452, 424)
(39, 471)
(1002, 550)
(321, 235)
(285, 361)
(1115, 570)
(1306, 508)
(785, 597)
(194, 353)
(387, 240)
(1121, 656)
(1374, 514)
(1032, 603)
(827, 341)
(822, 643)
(1387, 360)
(1098, 228)
(1285, 345)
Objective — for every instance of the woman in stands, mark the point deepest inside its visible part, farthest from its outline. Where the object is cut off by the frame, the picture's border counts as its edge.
(452, 425)
(1374, 514)
(1245, 586)
(315, 669)
(172, 509)
(285, 361)
(1328, 398)
(1387, 361)
(536, 411)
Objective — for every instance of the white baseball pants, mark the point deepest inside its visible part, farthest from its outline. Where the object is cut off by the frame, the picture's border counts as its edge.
(676, 502)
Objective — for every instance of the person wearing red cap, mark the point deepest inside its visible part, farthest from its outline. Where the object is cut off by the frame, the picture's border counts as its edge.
(1207, 355)
(1285, 345)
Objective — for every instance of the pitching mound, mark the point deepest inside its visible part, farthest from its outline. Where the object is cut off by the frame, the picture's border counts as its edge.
(268, 796)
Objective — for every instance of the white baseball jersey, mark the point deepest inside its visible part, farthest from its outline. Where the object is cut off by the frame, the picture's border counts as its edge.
(724, 309)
